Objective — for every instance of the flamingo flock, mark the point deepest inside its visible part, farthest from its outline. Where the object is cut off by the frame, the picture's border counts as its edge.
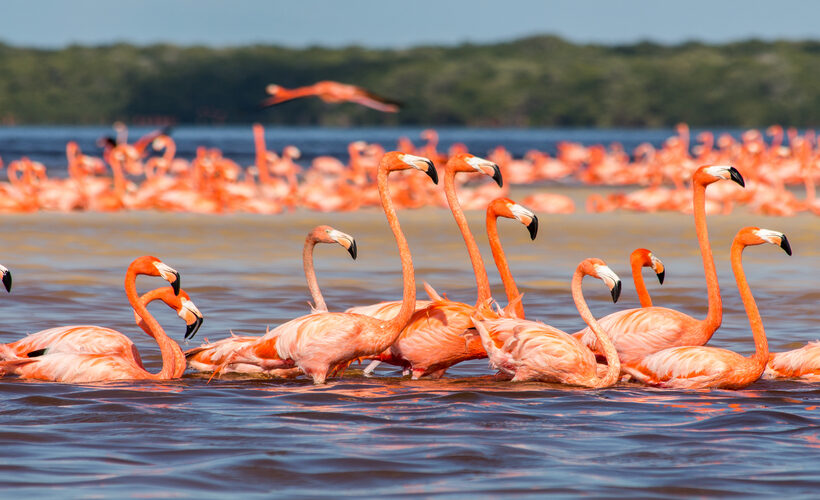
(650, 345)
(148, 175)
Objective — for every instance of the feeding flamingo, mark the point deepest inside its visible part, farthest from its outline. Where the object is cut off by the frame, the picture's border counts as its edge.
(699, 367)
(81, 354)
(322, 342)
(530, 350)
(637, 333)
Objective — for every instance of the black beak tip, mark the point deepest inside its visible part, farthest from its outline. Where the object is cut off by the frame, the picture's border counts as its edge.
(616, 291)
(176, 284)
(7, 281)
(533, 227)
(784, 244)
(661, 276)
(497, 176)
(431, 171)
(191, 330)
(736, 176)
(353, 250)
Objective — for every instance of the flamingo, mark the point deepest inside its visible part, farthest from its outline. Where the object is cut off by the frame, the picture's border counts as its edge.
(463, 162)
(637, 333)
(325, 341)
(530, 350)
(330, 91)
(640, 258)
(700, 367)
(82, 354)
(440, 335)
(803, 363)
(210, 356)
(505, 207)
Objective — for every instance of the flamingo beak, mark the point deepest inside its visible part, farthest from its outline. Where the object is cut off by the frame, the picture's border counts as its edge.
(353, 250)
(616, 291)
(191, 330)
(497, 176)
(661, 275)
(735, 176)
(487, 167)
(170, 275)
(533, 227)
(423, 164)
(431, 171)
(784, 244)
(6, 278)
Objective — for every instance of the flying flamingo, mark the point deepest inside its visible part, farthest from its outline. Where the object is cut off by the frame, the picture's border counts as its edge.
(322, 342)
(699, 367)
(330, 91)
(81, 354)
(637, 333)
(639, 259)
(210, 356)
(530, 350)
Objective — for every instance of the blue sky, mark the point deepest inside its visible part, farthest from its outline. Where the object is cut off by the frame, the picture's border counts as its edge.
(396, 24)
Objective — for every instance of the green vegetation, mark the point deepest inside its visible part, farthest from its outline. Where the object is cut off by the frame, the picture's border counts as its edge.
(538, 81)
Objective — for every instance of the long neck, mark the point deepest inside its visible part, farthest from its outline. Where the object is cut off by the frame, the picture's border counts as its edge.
(501, 263)
(715, 312)
(408, 303)
(640, 286)
(261, 153)
(761, 355)
(481, 280)
(173, 360)
(310, 274)
(613, 368)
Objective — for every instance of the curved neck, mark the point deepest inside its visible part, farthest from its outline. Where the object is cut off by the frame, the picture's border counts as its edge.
(501, 263)
(310, 274)
(408, 303)
(715, 312)
(613, 368)
(761, 355)
(481, 280)
(173, 360)
(640, 286)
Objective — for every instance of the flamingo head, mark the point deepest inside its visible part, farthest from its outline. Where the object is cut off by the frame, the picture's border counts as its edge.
(6, 278)
(190, 314)
(465, 162)
(645, 258)
(505, 207)
(756, 236)
(152, 266)
(713, 173)
(272, 89)
(396, 160)
(327, 234)
(598, 269)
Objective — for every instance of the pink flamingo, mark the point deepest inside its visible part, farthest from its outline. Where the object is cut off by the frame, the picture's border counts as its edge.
(440, 335)
(322, 342)
(211, 356)
(330, 91)
(639, 259)
(699, 367)
(803, 363)
(505, 207)
(530, 350)
(637, 333)
(81, 354)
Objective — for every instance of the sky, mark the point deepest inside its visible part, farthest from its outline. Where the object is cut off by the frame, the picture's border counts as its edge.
(399, 24)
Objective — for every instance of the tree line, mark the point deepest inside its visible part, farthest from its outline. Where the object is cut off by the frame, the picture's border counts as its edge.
(537, 81)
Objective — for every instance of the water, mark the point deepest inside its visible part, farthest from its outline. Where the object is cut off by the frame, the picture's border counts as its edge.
(392, 437)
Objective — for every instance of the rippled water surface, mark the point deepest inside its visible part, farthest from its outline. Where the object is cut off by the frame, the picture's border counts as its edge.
(389, 436)
(465, 435)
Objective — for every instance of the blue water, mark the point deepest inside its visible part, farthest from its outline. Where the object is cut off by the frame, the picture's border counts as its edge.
(466, 435)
